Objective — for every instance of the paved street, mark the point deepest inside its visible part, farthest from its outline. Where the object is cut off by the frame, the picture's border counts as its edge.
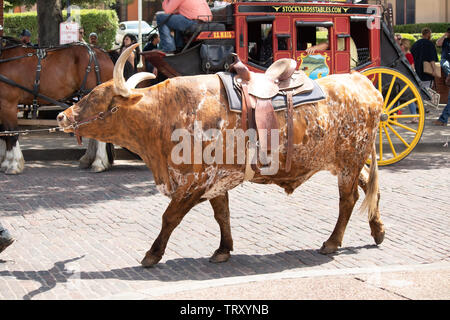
(81, 236)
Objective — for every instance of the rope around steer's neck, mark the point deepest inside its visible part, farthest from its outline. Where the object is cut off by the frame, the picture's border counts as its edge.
(99, 116)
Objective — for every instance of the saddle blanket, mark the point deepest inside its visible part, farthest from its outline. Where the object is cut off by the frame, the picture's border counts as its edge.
(279, 102)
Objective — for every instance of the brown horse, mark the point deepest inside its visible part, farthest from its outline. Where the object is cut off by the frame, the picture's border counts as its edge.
(64, 73)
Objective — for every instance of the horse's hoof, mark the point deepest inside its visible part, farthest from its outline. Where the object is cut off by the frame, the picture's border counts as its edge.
(150, 261)
(379, 237)
(328, 248)
(83, 165)
(98, 169)
(219, 257)
(13, 171)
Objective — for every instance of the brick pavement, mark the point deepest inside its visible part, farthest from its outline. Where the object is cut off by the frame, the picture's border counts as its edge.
(81, 235)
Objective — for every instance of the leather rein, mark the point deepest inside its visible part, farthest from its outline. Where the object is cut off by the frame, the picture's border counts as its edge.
(99, 116)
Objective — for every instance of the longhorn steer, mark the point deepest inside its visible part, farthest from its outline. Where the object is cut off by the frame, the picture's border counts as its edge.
(336, 134)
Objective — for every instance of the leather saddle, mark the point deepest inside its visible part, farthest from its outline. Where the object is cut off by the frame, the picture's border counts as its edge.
(260, 92)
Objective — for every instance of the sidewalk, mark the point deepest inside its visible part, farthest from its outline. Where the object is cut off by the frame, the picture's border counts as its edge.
(62, 146)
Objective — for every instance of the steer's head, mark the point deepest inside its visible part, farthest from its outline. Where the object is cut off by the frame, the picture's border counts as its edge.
(96, 115)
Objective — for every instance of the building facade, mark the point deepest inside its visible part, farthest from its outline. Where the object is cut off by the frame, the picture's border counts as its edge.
(419, 11)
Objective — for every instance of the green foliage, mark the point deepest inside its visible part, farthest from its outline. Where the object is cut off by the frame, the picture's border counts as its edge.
(14, 23)
(102, 22)
(417, 28)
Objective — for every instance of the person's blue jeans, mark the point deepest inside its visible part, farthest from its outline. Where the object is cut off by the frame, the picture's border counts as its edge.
(445, 65)
(413, 108)
(446, 112)
(176, 22)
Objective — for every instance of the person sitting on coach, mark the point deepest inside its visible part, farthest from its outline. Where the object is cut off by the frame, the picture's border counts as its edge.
(179, 16)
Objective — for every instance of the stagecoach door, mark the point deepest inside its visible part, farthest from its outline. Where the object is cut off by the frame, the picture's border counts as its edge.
(309, 32)
(343, 45)
(282, 42)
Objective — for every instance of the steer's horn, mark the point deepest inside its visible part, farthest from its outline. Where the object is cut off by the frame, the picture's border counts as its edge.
(136, 78)
(119, 80)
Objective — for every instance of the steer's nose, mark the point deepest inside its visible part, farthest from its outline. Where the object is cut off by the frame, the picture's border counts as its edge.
(61, 117)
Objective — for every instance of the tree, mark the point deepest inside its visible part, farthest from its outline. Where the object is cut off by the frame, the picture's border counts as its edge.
(49, 16)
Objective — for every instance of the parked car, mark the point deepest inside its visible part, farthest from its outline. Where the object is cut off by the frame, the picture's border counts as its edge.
(133, 28)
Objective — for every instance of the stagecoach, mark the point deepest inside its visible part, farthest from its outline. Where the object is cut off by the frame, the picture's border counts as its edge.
(354, 37)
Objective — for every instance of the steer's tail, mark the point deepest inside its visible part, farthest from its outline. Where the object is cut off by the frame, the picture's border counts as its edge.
(370, 202)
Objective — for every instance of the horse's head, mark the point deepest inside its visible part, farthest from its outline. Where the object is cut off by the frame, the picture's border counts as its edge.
(105, 102)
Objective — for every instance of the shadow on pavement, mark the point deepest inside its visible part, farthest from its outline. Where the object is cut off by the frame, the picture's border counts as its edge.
(181, 269)
(420, 161)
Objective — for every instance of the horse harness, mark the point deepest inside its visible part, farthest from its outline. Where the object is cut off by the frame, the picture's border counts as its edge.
(41, 53)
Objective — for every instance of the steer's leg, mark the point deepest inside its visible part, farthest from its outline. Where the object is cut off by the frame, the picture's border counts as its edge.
(376, 225)
(172, 217)
(222, 216)
(348, 195)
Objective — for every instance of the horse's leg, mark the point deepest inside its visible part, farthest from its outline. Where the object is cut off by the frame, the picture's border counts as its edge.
(376, 225)
(2, 147)
(222, 216)
(102, 161)
(172, 217)
(87, 159)
(12, 162)
(348, 195)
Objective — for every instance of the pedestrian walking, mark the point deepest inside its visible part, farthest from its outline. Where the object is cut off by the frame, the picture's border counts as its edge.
(25, 37)
(81, 35)
(424, 51)
(444, 42)
(405, 45)
(93, 39)
(152, 44)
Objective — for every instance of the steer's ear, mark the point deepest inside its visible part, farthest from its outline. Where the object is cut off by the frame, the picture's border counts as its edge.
(131, 100)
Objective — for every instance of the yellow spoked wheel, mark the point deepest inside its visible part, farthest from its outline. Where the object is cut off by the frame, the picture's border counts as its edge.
(403, 115)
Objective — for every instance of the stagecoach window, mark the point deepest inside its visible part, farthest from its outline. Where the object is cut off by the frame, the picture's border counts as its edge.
(283, 41)
(360, 34)
(260, 43)
(308, 36)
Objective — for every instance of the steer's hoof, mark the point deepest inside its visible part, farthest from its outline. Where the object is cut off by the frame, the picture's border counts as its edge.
(379, 237)
(328, 248)
(150, 261)
(219, 257)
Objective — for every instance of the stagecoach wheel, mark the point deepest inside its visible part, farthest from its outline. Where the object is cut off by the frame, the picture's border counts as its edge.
(399, 130)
